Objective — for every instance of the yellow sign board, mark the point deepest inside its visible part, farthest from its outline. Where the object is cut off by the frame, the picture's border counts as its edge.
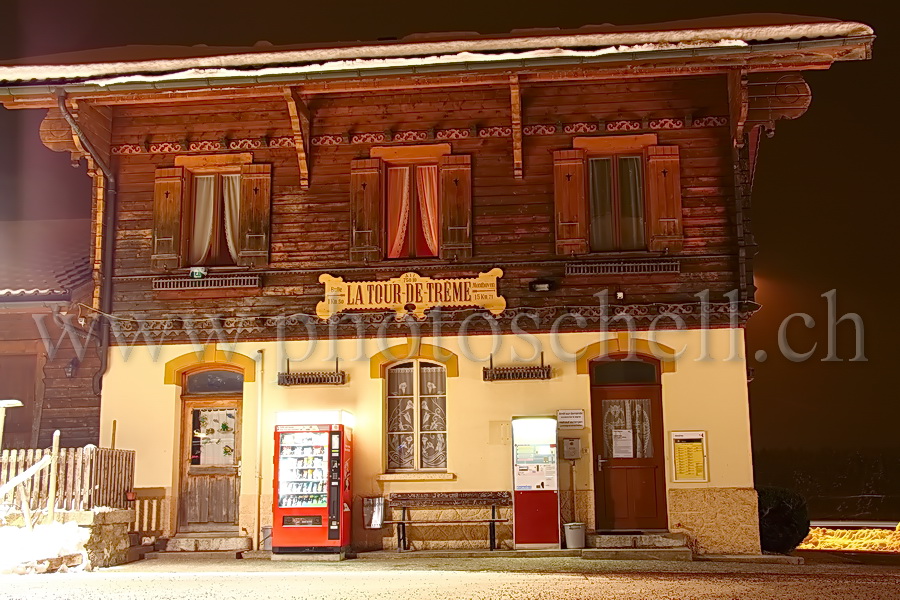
(411, 293)
(689, 455)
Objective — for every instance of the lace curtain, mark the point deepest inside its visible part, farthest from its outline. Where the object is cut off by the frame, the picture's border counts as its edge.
(398, 209)
(630, 415)
(417, 418)
(204, 213)
(214, 429)
(231, 190)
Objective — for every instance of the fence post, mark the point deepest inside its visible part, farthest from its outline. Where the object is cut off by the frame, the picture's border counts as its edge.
(51, 493)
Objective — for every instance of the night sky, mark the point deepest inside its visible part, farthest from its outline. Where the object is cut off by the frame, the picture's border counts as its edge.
(824, 209)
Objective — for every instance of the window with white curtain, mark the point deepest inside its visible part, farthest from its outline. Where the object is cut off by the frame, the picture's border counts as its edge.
(214, 223)
(417, 417)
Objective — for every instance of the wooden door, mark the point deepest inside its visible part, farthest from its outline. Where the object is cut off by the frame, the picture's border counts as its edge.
(211, 458)
(629, 461)
(18, 382)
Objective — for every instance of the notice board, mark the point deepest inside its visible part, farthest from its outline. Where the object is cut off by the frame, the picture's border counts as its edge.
(689, 456)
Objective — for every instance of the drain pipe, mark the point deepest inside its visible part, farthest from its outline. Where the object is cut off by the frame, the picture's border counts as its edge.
(109, 223)
(257, 533)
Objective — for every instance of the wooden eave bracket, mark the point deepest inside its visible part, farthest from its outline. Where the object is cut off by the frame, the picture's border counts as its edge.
(515, 97)
(300, 125)
(738, 101)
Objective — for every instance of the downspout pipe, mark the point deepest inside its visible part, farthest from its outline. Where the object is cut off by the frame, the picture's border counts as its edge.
(260, 383)
(109, 224)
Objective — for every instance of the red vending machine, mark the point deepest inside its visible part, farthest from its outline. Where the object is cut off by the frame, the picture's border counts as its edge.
(312, 489)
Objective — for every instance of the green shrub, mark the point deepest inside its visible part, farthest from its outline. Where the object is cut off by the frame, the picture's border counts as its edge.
(783, 519)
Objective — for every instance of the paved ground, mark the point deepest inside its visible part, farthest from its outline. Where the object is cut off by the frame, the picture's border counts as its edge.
(450, 579)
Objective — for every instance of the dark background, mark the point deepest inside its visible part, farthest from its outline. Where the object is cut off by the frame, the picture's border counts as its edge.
(825, 209)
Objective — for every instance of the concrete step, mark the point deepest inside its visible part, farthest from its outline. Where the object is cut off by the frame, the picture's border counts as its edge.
(208, 543)
(189, 556)
(641, 540)
(671, 554)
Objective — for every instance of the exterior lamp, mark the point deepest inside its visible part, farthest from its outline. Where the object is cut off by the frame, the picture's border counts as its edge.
(541, 285)
(72, 368)
(4, 404)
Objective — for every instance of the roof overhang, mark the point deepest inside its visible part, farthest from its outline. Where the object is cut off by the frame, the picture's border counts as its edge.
(796, 54)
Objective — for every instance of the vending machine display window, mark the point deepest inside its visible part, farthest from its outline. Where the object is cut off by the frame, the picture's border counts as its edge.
(303, 469)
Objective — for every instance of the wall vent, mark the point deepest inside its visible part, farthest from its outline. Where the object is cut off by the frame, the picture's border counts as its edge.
(206, 283)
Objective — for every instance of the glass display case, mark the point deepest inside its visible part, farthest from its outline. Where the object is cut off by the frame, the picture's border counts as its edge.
(303, 469)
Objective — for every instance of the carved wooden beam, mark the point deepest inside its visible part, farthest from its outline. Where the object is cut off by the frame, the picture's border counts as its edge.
(300, 124)
(774, 96)
(737, 104)
(515, 97)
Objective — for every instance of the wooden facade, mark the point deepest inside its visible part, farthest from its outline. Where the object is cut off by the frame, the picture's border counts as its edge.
(310, 155)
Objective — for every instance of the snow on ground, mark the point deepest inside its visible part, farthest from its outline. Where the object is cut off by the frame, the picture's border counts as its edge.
(19, 546)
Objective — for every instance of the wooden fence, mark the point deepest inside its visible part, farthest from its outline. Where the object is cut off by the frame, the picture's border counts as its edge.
(87, 477)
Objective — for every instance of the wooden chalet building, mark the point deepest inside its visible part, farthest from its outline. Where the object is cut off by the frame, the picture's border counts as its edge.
(415, 205)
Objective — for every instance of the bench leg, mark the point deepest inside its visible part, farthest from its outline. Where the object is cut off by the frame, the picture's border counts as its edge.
(493, 528)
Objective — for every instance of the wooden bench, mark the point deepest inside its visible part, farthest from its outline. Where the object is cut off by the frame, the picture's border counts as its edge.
(407, 502)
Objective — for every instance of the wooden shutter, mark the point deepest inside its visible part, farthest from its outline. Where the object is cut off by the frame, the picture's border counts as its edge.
(664, 199)
(570, 200)
(168, 200)
(456, 206)
(365, 210)
(253, 227)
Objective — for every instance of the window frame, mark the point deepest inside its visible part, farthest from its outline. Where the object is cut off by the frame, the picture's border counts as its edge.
(414, 212)
(417, 432)
(412, 156)
(616, 199)
(219, 241)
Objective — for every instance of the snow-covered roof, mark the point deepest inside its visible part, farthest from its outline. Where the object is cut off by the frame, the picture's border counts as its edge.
(159, 63)
(44, 259)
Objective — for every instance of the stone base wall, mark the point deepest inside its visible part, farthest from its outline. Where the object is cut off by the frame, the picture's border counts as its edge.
(447, 536)
(717, 520)
(584, 508)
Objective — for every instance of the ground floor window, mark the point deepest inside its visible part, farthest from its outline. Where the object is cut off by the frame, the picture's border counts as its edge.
(417, 417)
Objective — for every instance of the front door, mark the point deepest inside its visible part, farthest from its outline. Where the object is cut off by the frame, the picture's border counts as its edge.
(630, 485)
(211, 456)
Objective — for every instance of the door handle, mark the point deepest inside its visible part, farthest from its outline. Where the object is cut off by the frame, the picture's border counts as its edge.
(600, 461)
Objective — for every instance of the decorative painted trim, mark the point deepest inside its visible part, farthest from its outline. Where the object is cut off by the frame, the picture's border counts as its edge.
(413, 348)
(418, 135)
(500, 131)
(208, 357)
(581, 127)
(127, 149)
(623, 343)
(375, 137)
(710, 122)
(409, 136)
(283, 142)
(453, 134)
(668, 123)
(327, 140)
(539, 129)
(623, 125)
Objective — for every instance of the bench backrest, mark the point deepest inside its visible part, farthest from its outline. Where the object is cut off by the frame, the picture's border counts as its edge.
(421, 499)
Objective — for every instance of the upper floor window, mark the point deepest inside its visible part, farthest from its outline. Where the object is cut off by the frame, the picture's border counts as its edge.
(215, 212)
(416, 417)
(211, 210)
(412, 211)
(617, 203)
(411, 202)
(617, 193)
